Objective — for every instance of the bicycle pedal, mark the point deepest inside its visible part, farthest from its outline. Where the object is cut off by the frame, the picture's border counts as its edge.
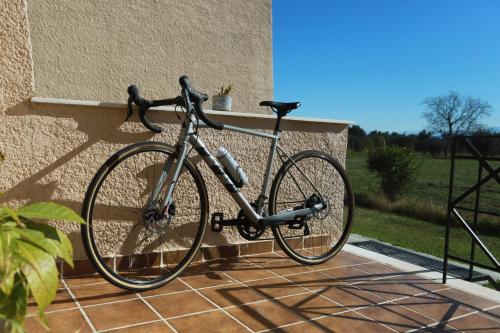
(216, 222)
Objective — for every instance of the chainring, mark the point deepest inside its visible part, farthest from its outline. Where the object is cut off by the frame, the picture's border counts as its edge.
(246, 229)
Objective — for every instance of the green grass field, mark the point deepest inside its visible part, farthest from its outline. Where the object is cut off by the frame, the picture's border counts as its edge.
(418, 235)
(431, 184)
(426, 200)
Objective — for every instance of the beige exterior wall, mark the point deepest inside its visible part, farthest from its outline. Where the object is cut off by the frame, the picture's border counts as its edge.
(16, 70)
(92, 52)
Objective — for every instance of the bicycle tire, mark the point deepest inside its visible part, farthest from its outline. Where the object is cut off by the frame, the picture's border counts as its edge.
(99, 259)
(295, 246)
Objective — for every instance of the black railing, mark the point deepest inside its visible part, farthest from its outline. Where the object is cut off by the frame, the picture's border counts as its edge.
(464, 148)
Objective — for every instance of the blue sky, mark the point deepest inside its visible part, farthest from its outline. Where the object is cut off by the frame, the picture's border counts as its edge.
(374, 61)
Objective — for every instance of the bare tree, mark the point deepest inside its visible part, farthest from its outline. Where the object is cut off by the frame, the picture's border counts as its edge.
(453, 114)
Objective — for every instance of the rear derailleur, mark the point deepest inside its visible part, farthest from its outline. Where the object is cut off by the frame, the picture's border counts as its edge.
(302, 221)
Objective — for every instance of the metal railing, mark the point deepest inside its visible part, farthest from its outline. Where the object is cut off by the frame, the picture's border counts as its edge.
(457, 204)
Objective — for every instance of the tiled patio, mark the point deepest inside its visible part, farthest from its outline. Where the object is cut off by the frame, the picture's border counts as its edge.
(268, 292)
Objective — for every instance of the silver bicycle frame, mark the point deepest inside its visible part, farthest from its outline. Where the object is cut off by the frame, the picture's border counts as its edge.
(188, 136)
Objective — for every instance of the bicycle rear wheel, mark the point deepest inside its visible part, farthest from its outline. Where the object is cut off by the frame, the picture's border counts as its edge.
(128, 239)
(301, 182)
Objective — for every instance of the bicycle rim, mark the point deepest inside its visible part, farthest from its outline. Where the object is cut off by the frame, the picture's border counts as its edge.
(126, 247)
(321, 236)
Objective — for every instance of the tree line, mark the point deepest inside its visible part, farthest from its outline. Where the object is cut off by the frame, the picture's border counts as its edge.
(425, 142)
(446, 115)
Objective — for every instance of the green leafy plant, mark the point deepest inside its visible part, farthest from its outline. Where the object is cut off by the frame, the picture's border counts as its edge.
(225, 91)
(396, 167)
(28, 253)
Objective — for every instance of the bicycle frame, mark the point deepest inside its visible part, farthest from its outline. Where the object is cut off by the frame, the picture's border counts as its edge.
(188, 136)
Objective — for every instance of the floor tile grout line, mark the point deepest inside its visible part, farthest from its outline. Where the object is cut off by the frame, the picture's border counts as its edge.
(356, 266)
(349, 309)
(192, 314)
(301, 286)
(156, 313)
(336, 314)
(185, 291)
(312, 271)
(217, 306)
(313, 291)
(106, 282)
(493, 307)
(82, 311)
(268, 299)
(393, 301)
(322, 271)
(322, 296)
(385, 302)
(492, 317)
(91, 284)
(236, 281)
(205, 261)
(220, 259)
(239, 282)
(131, 325)
(431, 292)
(309, 291)
(376, 321)
(110, 303)
(355, 310)
(446, 322)
(234, 257)
(54, 311)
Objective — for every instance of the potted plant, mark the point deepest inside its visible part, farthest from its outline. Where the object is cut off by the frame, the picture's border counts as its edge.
(222, 101)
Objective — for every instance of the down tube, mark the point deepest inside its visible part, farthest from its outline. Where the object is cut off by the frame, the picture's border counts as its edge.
(217, 169)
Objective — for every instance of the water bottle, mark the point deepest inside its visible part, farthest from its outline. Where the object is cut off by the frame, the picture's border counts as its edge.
(231, 167)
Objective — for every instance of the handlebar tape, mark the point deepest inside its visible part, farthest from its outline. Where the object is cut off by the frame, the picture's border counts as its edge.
(143, 105)
(198, 99)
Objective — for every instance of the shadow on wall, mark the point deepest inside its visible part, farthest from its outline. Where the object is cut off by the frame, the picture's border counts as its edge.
(74, 142)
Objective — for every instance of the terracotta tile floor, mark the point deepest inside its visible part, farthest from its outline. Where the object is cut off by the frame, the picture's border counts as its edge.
(269, 292)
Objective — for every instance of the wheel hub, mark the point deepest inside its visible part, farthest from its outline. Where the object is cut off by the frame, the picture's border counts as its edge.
(156, 221)
(316, 199)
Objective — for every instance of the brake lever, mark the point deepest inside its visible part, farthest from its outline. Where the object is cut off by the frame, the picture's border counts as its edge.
(129, 108)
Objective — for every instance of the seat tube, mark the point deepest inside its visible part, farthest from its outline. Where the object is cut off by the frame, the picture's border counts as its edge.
(267, 175)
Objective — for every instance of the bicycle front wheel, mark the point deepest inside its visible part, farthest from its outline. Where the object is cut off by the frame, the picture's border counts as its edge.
(308, 178)
(129, 239)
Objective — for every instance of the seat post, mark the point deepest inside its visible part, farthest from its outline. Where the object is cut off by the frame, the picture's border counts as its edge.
(277, 125)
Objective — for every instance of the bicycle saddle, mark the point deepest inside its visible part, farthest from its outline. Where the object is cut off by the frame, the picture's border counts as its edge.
(281, 108)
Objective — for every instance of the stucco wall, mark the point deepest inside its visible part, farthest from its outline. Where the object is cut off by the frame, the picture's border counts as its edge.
(16, 69)
(92, 50)
(67, 144)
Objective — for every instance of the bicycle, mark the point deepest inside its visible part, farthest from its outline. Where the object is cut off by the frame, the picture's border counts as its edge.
(147, 206)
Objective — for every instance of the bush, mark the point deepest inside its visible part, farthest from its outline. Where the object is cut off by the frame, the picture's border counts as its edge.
(396, 167)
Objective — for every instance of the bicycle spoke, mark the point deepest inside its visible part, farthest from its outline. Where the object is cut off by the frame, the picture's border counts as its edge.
(117, 219)
(320, 176)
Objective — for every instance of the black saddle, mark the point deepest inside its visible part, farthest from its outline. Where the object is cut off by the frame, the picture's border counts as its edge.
(281, 108)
